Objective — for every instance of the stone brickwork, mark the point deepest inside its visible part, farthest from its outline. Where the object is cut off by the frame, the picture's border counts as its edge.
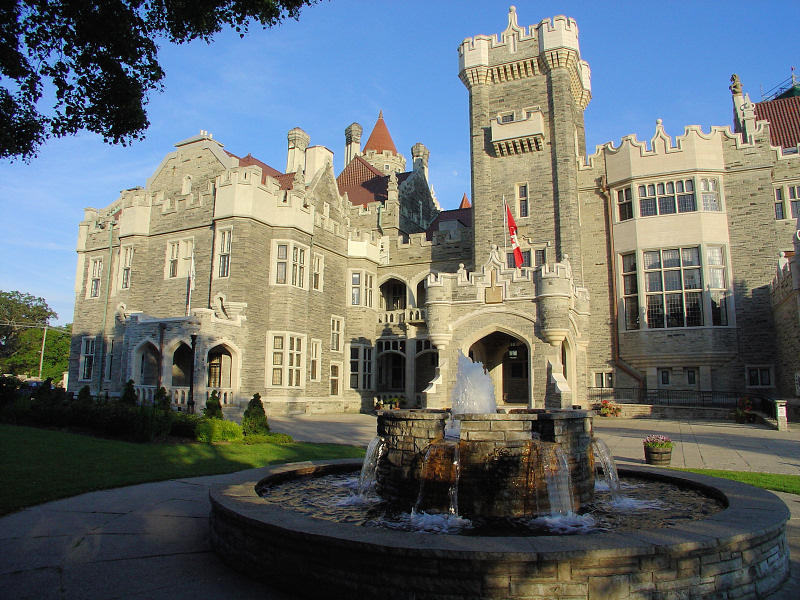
(740, 552)
(785, 300)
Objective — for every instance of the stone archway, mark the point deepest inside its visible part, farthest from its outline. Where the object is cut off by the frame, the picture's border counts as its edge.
(148, 365)
(506, 359)
(181, 365)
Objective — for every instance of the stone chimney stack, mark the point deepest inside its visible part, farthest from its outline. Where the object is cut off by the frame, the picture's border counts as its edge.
(419, 155)
(296, 158)
(352, 142)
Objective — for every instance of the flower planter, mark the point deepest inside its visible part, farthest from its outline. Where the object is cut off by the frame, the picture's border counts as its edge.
(657, 456)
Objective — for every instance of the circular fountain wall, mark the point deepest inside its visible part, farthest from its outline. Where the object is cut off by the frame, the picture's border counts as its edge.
(738, 552)
(504, 460)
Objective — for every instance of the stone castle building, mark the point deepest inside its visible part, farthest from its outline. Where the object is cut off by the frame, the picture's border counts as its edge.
(647, 266)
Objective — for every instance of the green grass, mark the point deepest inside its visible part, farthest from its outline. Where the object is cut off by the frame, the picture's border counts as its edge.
(768, 481)
(39, 465)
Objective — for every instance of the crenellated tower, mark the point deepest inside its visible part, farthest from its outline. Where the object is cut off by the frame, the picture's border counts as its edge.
(527, 93)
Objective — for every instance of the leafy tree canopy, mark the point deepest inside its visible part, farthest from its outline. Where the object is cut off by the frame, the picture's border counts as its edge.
(18, 309)
(100, 57)
(25, 358)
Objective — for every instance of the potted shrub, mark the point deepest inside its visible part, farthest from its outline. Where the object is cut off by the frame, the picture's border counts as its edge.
(609, 408)
(657, 450)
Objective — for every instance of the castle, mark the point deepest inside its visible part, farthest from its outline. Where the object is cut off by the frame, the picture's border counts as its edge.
(645, 266)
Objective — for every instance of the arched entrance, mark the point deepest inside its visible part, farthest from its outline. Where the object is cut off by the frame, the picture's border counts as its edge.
(181, 366)
(220, 373)
(425, 363)
(393, 295)
(148, 365)
(507, 360)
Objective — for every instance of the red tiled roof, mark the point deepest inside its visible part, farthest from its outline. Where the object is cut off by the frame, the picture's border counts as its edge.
(465, 202)
(462, 215)
(285, 179)
(380, 139)
(364, 183)
(784, 120)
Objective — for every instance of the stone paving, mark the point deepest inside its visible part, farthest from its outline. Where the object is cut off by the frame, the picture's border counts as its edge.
(150, 541)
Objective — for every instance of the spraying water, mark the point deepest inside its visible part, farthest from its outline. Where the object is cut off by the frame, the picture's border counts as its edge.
(369, 467)
(609, 468)
(474, 389)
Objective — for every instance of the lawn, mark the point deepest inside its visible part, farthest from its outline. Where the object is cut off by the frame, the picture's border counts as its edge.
(768, 481)
(38, 465)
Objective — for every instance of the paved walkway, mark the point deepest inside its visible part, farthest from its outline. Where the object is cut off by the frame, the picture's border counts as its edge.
(150, 541)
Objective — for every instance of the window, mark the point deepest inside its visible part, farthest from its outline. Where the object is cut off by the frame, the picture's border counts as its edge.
(86, 362)
(625, 204)
(526, 259)
(360, 367)
(522, 196)
(507, 118)
(361, 292)
(287, 360)
(691, 376)
(335, 371)
(95, 275)
(779, 214)
(336, 334)
(667, 197)
(794, 200)
(673, 287)
(630, 291)
(759, 376)
(316, 351)
(663, 377)
(224, 252)
(710, 195)
(539, 257)
(290, 264)
(717, 284)
(604, 380)
(179, 258)
(316, 277)
(126, 259)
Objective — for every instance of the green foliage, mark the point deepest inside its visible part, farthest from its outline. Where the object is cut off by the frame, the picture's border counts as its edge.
(85, 394)
(768, 481)
(218, 430)
(213, 409)
(267, 438)
(128, 396)
(18, 308)
(184, 425)
(9, 388)
(254, 419)
(27, 353)
(161, 399)
(101, 63)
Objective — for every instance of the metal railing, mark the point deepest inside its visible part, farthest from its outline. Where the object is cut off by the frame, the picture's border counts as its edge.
(701, 398)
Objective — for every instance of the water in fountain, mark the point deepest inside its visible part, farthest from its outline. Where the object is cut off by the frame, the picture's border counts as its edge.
(368, 469)
(452, 493)
(441, 468)
(559, 488)
(474, 389)
(608, 467)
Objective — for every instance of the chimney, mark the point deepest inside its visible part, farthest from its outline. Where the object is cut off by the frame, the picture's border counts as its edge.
(296, 158)
(352, 142)
(419, 155)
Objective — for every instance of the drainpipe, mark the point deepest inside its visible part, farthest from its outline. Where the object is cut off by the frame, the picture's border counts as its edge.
(190, 402)
(102, 344)
(161, 328)
(614, 303)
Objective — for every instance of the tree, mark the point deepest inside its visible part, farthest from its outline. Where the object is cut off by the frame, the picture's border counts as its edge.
(25, 358)
(254, 419)
(213, 409)
(99, 60)
(18, 310)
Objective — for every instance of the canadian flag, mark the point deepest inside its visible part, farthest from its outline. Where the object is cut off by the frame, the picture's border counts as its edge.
(512, 232)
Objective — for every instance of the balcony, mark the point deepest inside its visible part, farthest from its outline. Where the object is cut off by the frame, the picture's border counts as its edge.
(413, 316)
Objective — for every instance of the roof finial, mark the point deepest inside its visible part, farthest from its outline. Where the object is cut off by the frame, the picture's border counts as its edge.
(736, 85)
(380, 114)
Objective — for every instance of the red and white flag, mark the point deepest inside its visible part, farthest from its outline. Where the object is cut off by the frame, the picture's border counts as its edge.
(512, 232)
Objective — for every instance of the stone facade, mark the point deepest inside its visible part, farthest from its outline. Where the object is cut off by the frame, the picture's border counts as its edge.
(646, 265)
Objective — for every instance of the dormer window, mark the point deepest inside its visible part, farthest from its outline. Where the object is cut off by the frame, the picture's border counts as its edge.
(507, 118)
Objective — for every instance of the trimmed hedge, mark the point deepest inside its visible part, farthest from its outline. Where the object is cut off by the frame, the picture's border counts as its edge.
(218, 430)
(272, 438)
(254, 420)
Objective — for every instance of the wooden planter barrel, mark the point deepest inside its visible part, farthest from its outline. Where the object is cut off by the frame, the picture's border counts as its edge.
(657, 456)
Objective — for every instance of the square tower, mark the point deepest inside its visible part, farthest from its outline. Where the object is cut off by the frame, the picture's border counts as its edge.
(527, 93)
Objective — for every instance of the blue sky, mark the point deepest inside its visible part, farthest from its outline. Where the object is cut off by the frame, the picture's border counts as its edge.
(347, 59)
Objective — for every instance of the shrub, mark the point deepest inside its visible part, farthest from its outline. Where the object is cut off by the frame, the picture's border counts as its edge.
(85, 394)
(162, 399)
(184, 425)
(213, 409)
(255, 419)
(129, 394)
(218, 430)
(268, 438)
(9, 389)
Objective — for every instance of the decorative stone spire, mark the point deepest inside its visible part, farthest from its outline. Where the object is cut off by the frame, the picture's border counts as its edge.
(465, 202)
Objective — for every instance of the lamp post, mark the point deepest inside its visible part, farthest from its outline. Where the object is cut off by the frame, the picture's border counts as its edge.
(190, 403)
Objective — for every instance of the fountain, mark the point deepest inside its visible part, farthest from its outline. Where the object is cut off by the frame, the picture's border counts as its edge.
(523, 463)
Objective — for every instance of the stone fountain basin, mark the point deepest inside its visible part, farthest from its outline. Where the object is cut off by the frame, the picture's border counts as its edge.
(740, 550)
